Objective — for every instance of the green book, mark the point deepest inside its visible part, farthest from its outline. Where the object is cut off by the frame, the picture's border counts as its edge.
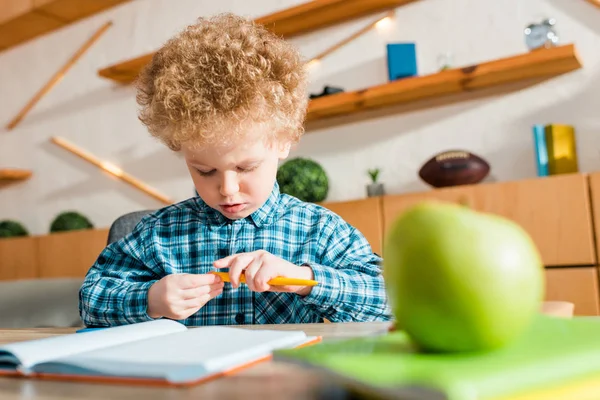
(554, 355)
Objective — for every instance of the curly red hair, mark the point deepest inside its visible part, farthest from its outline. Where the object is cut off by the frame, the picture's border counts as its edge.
(205, 84)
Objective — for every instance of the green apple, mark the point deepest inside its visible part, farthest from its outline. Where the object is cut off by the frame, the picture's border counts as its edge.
(459, 279)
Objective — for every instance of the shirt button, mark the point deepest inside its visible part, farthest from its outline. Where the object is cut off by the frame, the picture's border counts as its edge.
(240, 318)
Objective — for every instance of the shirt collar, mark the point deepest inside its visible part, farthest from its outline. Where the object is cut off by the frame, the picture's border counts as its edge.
(263, 216)
(268, 211)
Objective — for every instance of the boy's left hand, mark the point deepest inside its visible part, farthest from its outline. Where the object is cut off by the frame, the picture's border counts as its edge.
(260, 267)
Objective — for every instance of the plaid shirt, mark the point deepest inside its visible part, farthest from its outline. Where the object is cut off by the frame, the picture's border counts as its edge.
(189, 236)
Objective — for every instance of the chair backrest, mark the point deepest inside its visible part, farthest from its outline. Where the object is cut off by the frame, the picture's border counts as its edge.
(125, 224)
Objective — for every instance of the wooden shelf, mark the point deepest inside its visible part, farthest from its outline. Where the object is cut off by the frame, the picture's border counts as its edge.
(319, 14)
(595, 2)
(9, 174)
(304, 18)
(21, 20)
(535, 65)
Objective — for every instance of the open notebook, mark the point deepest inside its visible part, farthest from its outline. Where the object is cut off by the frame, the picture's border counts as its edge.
(161, 351)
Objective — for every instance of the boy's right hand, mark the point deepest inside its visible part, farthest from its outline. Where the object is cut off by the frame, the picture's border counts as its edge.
(177, 296)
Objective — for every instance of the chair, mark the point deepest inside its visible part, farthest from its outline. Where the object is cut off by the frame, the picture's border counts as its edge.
(123, 225)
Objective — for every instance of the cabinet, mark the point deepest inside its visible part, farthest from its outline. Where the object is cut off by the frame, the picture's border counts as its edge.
(364, 215)
(18, 258)
(555, 211)
(561, 213)
(69, 254)
(577, 285)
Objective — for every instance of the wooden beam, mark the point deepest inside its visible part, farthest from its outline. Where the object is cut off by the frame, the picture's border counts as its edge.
(111, 169)
(350, 38)
(542, 63)
(13, 174)
(58, 76)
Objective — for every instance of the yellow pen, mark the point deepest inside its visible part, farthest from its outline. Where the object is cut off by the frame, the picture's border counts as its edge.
(279, 281)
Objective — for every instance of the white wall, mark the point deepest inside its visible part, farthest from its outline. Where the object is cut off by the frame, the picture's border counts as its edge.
(100, 116)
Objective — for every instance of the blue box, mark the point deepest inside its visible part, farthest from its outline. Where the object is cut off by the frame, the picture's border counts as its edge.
(541, 150)
(402, 60)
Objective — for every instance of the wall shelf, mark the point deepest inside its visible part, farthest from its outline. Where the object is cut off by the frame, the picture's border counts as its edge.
(12, 174)
(304, 18)
(595, 2)
(535, 65)
(318, 14)
(21, 21)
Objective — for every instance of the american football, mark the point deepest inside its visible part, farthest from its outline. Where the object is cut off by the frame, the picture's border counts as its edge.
(453, 168)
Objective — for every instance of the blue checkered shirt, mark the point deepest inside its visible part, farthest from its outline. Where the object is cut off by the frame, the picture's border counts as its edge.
(189, 236)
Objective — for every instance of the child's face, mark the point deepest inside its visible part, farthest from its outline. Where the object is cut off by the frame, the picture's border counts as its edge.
(235, 180)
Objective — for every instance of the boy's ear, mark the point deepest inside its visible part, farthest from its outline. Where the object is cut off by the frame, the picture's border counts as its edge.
(284, 150)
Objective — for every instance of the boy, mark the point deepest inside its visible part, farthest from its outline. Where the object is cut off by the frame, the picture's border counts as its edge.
(231, 97)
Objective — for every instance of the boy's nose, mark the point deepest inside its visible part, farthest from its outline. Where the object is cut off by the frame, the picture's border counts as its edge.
(229, 184)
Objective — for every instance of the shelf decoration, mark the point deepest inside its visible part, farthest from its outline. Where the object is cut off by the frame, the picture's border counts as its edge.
(111, 169)
(301, 19)
(528, 67)
(57, 76)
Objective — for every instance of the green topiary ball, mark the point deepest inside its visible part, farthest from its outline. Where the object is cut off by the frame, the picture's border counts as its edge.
(9, 228)
(70, 221)
(304, 179)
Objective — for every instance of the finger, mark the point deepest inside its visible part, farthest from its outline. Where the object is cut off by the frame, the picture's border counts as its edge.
(225, 262)
(250, 272)
(190, 281)
(263, 276)
(201, 300)
(237, 267)
(199, 291)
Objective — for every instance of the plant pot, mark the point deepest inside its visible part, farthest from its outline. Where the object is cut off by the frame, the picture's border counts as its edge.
(375, 189)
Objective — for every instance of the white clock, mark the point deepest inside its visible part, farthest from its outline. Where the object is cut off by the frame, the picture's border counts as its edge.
(541, 35)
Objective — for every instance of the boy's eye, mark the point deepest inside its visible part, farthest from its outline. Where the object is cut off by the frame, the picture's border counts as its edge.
(203, 173)
(247, 169)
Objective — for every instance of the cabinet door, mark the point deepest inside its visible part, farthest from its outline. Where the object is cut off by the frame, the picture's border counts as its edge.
(555, 211)
(70, 254)
(594, 180)
(18, 258)
(575, 285)
(364, 215)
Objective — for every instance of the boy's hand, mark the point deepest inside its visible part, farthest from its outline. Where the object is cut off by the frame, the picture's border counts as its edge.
(177, 296)
(260, 267)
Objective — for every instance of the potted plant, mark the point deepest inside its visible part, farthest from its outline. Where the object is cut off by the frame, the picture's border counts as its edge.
(70, 221)
(10, 228)
(304, 179)
(375, 188)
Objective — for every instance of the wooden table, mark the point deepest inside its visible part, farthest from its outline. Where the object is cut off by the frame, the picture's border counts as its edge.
(268, 380)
